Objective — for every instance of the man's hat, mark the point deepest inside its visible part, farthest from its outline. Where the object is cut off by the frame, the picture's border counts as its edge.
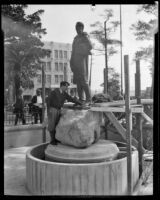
(64, 83)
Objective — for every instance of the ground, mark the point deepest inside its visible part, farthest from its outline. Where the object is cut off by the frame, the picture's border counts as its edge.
(15, 174)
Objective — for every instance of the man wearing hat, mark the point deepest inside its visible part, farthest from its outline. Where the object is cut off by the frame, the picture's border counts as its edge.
(56, 100)
(81, 48)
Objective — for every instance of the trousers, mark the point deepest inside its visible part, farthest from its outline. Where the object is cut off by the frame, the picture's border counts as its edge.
(84, 88)
(53, 119)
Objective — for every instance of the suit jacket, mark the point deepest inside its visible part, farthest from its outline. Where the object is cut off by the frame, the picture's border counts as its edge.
(57, 99)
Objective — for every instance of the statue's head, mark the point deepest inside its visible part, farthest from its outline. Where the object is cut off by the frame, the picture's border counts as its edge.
(79, 27)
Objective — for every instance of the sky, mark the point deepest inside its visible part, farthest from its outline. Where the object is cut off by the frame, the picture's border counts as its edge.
(60, 20)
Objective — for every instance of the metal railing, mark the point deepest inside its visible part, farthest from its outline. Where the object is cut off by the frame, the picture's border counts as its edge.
(9, 117)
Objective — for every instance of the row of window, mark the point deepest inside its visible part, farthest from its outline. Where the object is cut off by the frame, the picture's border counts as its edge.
(47, 78)
(58, 66)
(60, 54)
(46, 66)
(58, 78)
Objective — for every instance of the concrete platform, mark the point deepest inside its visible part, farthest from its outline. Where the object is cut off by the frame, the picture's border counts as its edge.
(15, 174)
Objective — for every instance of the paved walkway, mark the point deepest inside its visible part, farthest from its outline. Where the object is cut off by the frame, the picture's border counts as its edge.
(15, 171)
(15, 174)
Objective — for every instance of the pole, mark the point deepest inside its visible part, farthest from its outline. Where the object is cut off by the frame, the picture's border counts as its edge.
(121, 52)
(138, 117)
(90, 72)
(128, 124)
(106, 61)
(43, 105)
(104, 74)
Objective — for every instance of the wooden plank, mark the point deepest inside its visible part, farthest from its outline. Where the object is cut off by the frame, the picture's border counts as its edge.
(122, 102)
(145, 116)
(120, 128)
(138, 117)
(117, 125)
(116, 109)
(128, 124)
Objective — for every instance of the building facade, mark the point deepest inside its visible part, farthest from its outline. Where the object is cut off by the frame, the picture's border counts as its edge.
(56, 67)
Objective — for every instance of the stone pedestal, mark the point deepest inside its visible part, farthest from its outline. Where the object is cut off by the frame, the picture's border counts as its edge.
(103, 150)
(58, 178)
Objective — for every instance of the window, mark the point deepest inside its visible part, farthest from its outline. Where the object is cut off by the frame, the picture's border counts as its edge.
(49, 78)
(61, 78)
(56, 79)
(56, 66)
(49, 66)
(65, 54)
(39, 78)
(60, 54)
(56, 53)
(61, 66)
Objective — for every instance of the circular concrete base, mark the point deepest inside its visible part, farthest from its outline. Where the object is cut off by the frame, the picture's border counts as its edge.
(57, 178)
(103, 150)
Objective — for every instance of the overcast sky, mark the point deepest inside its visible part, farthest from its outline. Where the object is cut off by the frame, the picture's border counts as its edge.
(60, 20)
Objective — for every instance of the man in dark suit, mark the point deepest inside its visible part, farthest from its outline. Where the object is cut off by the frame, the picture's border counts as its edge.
(56, 100)
(37, 106)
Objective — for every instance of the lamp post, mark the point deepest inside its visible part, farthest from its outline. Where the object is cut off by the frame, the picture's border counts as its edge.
(106, 62)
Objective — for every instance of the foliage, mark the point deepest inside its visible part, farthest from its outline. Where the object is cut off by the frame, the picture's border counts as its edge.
(113, 82)
(99, 33)
(143, 30)
(22, 44)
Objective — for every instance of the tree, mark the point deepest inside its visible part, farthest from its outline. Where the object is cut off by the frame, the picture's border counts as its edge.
(22, 45)
(106, 41)
(99, 33)
(143, 30)
(113, 82)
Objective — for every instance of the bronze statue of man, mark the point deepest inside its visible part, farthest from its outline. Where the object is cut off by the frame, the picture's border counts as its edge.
(81, 48)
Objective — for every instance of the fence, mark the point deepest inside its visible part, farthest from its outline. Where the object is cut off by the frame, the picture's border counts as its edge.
(9, 117)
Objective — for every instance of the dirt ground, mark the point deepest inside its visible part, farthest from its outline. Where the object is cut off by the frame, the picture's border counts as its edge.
(15, 174)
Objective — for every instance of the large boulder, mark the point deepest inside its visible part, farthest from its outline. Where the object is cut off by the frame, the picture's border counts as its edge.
(79, 128)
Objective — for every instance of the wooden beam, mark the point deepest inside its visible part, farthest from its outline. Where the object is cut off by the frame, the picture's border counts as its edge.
(116, 109)
(120, 129)
(145, 116)
(139, 117)
(122, 102)
(116, 124)
(128, 124)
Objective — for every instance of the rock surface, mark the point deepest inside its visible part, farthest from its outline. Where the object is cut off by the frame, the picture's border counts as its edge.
(103, 150)
(79, 128)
